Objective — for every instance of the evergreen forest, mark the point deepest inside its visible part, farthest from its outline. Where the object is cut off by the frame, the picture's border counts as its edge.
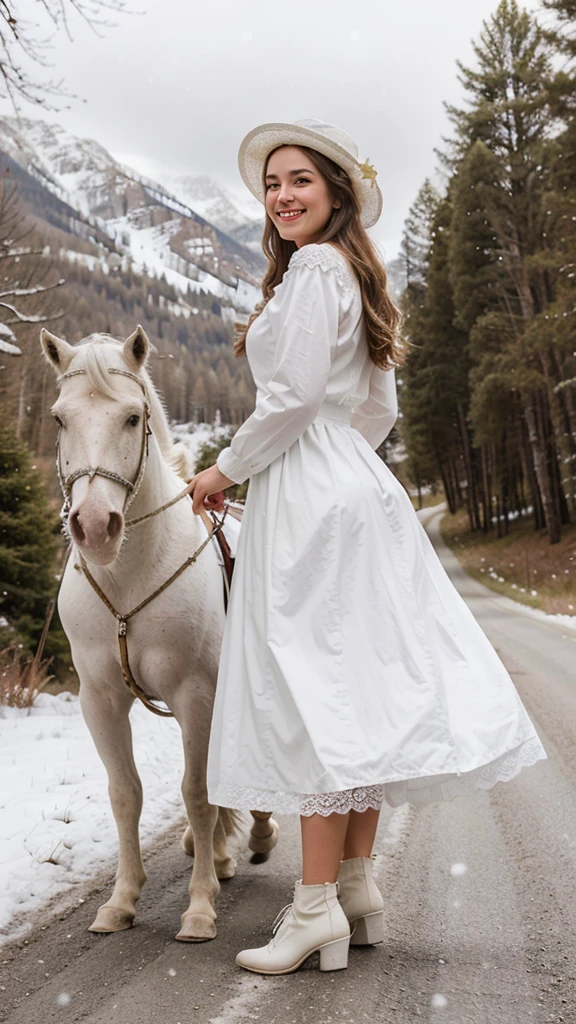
(488, 390)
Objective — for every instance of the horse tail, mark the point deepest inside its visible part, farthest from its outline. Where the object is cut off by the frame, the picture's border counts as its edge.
(232, 821)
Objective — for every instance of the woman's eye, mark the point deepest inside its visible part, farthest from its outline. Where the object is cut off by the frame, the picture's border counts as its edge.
(306, 181)
(133, 420)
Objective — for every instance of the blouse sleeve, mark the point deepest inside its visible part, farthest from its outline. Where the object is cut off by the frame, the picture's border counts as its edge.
(376, 416)
(303, 316)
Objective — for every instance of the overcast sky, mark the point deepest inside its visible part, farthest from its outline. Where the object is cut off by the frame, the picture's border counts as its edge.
(183, 81)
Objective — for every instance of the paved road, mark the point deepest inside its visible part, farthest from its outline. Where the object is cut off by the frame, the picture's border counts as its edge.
(494, 945)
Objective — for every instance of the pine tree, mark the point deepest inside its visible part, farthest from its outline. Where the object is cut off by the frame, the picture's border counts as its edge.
(556, 322)
(422, 465)
(564, 35)
(416, 237)
(434, 395)
(27, 541)
(502, 145)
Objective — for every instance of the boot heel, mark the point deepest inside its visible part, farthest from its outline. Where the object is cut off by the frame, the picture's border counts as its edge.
(368, 930)
(334, 955)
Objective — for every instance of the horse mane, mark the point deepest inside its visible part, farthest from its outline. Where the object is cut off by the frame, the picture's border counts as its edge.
(106, 383)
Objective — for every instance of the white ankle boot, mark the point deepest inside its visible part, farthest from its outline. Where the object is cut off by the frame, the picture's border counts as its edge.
(314, 922)
(361, 901)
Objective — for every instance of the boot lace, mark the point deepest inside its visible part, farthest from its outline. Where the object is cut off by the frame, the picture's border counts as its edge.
(280, 918)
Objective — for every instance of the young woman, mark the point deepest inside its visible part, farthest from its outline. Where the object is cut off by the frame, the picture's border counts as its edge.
(351, 669)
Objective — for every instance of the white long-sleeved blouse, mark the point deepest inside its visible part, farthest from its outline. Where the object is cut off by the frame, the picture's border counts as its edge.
(306, 348)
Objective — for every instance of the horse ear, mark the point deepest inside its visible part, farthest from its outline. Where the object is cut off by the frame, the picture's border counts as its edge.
(136, 348)
(57, 351)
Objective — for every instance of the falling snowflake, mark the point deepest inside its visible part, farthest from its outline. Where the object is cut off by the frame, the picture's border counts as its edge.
(438, 1001)
(457, 870)
(63, 999)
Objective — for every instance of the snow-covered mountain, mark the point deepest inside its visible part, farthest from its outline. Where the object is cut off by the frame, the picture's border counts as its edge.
(236, 213)
(148, 222)
(217, 204)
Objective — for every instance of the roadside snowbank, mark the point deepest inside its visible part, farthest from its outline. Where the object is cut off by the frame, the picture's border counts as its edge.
(57, 832)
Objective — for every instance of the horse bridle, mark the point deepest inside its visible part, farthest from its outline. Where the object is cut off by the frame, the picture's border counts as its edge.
(132, 486)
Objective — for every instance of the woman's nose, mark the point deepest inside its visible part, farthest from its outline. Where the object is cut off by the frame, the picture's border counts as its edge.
(285, 194)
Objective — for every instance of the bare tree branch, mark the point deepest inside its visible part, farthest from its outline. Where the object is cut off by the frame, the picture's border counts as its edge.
(12, 253)
(21, 318)
(22, 39)
(18, 292)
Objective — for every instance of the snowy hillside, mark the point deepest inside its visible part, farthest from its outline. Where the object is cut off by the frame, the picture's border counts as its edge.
(235, 212)
(150, 225)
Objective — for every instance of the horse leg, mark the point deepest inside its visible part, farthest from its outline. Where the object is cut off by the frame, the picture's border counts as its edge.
(108, 721)
(263, 835)
(198, 920)
(224, 864)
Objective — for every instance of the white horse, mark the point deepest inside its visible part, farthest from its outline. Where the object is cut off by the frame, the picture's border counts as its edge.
(115, 453)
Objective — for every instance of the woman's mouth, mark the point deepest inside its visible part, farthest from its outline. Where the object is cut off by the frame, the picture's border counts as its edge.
(288, 215)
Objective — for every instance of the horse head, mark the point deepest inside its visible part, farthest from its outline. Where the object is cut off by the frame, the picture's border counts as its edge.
(102, 413)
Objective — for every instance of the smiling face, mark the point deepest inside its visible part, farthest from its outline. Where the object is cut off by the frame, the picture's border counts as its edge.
(298, 200)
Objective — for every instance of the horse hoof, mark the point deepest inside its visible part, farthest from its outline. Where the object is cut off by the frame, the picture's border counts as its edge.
(196, 928)
(259, 858)
(262, 845)
(225, 868)
(111, 919)
(188, 842)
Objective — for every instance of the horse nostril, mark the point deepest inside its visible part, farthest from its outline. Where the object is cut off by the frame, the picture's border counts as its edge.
(75, 527)
(114, 525)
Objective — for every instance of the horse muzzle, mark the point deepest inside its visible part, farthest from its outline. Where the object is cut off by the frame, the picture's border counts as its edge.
(98, 532)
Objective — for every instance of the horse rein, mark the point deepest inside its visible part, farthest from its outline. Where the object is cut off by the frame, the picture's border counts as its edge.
(213, 527)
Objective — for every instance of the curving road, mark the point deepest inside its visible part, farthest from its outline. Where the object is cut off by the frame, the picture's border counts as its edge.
(492, 944)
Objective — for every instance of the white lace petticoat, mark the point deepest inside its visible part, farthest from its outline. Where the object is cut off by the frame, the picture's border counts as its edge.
(361, 799)
(420, 791)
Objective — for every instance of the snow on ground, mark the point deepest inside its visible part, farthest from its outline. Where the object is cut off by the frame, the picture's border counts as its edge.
(192, 435)
(57, 831)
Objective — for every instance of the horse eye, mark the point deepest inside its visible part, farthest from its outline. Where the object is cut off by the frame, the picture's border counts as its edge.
(59, 422)
(133, 420)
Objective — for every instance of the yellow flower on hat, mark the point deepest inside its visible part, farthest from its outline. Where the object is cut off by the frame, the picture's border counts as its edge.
(368, 171)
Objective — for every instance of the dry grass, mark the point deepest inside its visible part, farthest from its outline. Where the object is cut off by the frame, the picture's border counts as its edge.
(523, 565)
(21, 683)
(428, 500)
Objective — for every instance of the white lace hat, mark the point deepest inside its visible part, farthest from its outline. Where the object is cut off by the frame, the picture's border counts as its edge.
(327, 139)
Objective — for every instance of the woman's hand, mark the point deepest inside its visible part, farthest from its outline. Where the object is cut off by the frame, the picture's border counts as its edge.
(207, 489)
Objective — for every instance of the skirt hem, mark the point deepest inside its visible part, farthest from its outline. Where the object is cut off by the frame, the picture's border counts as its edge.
(419, 790)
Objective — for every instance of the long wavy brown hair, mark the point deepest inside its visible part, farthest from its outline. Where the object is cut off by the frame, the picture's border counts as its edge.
(345, 231)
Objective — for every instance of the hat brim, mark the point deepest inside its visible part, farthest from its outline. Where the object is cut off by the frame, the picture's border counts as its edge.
(261, 141)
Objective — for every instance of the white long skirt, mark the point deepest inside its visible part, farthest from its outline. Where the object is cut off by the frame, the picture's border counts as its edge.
(351, 670)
